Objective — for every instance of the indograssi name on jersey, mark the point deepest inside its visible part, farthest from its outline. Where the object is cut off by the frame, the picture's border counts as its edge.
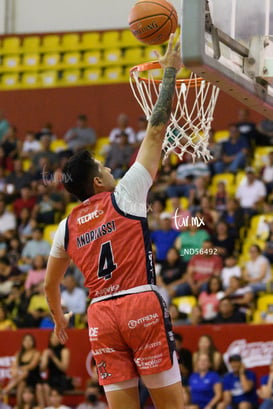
(92, 235)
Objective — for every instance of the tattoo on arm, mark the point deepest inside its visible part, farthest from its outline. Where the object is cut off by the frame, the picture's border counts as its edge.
(162, 109)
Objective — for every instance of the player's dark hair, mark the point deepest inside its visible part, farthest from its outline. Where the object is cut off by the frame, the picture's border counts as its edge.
(78, 175)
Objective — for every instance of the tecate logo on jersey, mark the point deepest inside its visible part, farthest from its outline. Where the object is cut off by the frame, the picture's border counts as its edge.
(89, 216)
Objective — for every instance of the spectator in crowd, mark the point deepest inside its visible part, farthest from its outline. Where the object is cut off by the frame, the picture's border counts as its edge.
(28, 399)
(177, 317)
(9, 275)
(247, 128)
(223, 243)
(18, 178)
(234, 152)
(240, 295)
(201, 267)
(46, 129)
(11, 143)
(239, 386)
(7, 220)
(265, 129)
(5, 162)
(190, 241)
(209, 299)
(251, 193)
(30, 145)
(207, 346)
(37, 307)
(156, 207)
(93, 397)
(207, 214)
(25, 369)
(36, 274)
(119, 155)
(5, 322)
(16, 304)
(233, 216)
(81, 136)
(141, 129)
(184, 358)
(74, 297)
(49, 205)
(14, 250)
(26, 200)
(45, 159)
(231, 269)
(55, 361)
(228, 314)
(172, 270)
(205, 389)
(268, 250)
(122, 126)
(180, 187)
(25, 225)
(4, 125)
(56, 400)
(36, 246)
(219, 201)
(257, 271)
(164, 238)
(267, 174)
(265, 392)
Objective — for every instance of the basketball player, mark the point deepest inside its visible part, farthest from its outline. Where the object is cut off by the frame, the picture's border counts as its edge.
(107, 238)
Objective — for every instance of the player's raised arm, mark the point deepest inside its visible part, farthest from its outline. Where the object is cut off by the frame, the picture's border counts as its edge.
(150, 150)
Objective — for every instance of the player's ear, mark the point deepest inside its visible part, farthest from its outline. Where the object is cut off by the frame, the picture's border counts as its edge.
(97, 182)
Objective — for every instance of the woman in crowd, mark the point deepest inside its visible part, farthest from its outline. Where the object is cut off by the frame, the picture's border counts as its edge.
(55, 362)
(209, 299)
(205, 388)
(25, 370)
(28, 399)
(257, 271)
(206, 345)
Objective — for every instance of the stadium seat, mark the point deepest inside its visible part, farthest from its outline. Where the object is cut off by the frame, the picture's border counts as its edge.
(110, 39)
(69, 207)
(31, 44)
(149, 54)
(239, 178)
(133, 56)
(51, 60)
(227, 178)
(10, 81)
(91, 76)
(70, 42)
(11, 63)
(112, 56)
(26, 165)
(91, 58)
(58, 145)
(261, 156)
(30, 61)
(90, 41)
(71, 77)
(71, 59)
(114, 74)
(49, 78)
(10, 45)
(265, 302)
(49, 232)
(101, 146)
(127, 39)
(221, 135)
(185, 303)
(258, 226)
(30, 79)
(50, 43)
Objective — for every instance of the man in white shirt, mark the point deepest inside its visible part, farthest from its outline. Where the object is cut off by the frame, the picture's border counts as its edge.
(73, 297)
(7, 220)
(251, 192)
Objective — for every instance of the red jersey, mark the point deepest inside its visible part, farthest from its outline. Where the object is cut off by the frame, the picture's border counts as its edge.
(112, 249)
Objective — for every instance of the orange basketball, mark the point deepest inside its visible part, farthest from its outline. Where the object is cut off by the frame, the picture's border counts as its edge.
(152, 21)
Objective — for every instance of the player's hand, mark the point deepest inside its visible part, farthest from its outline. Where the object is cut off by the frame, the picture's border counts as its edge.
(61, 325)
(172, 56)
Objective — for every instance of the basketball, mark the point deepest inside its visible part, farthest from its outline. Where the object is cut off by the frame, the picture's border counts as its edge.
(152, 21)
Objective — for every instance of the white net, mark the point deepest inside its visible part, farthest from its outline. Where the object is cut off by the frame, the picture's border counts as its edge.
(190, 121)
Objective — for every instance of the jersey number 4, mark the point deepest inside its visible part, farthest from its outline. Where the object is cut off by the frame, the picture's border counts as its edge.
(106, 261)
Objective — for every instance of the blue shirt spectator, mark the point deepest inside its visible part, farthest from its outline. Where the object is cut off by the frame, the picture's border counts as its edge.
(204, 384)
(239, 385)
(265, 392)
(164, 238)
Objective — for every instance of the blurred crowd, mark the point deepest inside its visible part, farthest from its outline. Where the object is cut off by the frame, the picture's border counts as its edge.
(208, 265)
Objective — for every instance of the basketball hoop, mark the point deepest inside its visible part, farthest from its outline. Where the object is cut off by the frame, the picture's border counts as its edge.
(190, 121)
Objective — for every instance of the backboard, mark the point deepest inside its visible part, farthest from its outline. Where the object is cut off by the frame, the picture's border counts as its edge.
(230, 43)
